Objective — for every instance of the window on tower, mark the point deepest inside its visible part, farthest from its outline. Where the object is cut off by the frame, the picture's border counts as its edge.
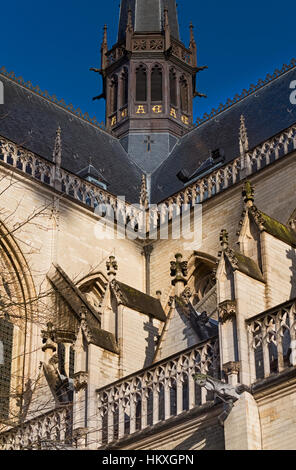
(141, 83)
(124, 89)
(113, 94)
(156, 84)
(184, 95)
(173, 87)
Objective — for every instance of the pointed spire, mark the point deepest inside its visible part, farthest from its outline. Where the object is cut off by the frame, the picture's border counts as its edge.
(144, 193)
(248, 194)
(129, 30)
(57, 151)
(243, 136)
(104, 48)
(129, 25)
(192, 39)
(167, 29)
(192, 45)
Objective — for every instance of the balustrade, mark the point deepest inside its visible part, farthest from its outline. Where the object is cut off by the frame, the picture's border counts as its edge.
(272, 340)
(157, 393)
(50, 431)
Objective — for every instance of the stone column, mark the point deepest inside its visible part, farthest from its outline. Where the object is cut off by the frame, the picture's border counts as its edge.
(242, 427)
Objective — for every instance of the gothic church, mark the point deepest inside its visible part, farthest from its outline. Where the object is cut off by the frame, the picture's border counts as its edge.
(148, 342)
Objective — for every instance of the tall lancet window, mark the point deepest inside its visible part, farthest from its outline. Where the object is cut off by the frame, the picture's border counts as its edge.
(113, 94)
(184, 95)
(141, 83)
(6, 341)
(156, 84)
(173, 87)
(124, 89)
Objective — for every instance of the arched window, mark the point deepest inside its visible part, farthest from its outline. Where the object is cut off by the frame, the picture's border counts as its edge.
(184, 94)
(113, 94)
(124, 88)
(141, 83)
(6, 342)
(173, 87)
(156, 84)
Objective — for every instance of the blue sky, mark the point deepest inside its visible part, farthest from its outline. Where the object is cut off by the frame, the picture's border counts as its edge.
(53, 44)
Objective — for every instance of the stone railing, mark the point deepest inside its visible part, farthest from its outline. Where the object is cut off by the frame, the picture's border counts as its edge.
(132, 215)
(157, 393)
(68, 183)
(272, 340)
(51, 431)
(229, 174)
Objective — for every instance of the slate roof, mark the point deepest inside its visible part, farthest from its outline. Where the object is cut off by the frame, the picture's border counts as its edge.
(148, 16)
(267, 112)
(140, 302)
(31, 121)
(277, 229)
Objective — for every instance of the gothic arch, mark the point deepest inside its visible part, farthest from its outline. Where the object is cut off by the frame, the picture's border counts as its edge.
(141, 83)
(17, 308)
(156, 83)
(202, 281)
(184, 94)
(94, 287)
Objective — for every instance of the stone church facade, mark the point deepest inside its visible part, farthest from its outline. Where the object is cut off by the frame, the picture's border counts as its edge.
(139, 339)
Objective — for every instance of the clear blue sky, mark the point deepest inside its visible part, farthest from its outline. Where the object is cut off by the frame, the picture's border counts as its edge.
(53, 44)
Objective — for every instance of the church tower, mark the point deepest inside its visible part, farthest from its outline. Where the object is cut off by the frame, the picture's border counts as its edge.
(149, 81)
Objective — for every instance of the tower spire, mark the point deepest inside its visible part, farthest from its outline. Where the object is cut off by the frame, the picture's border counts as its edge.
(57, 151)
(192, 45)
(167, 29)
(129, 30)
(104, 48)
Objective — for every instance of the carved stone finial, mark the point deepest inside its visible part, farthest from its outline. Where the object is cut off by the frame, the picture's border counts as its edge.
(105, 39)
(167, 29)
(179, 270)
(186, 295)
(243, 136)
(57, 151)
(129, 24)
(112, 267)
(104, 49)
(144, 193)
(248, 194)
(48, 338)
(129, 30)
(158, 294)
(224, 239)
(192, 38)
(227, 310)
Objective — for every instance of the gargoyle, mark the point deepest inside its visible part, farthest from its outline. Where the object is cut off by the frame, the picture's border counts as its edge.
(59, 384)
(226, 392)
